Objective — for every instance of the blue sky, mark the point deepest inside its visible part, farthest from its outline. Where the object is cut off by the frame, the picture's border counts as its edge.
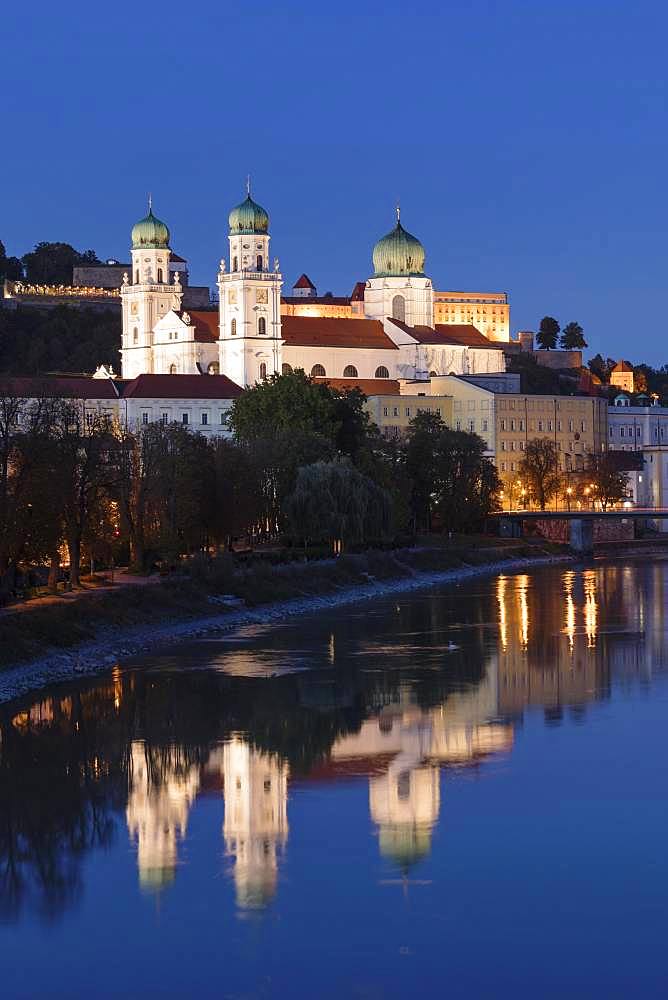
(527, 142)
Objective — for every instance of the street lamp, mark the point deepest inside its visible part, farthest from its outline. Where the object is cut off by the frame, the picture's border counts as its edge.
(569, 494)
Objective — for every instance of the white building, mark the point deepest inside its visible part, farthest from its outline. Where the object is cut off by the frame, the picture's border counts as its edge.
(249, 339)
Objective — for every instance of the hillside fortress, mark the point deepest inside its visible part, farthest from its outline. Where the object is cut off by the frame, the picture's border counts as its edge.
(393, 326)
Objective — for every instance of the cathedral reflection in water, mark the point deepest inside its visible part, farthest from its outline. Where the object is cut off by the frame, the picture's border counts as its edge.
(156, 745)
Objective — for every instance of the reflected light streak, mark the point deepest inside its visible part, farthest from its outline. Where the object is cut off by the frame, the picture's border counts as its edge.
(590, 606)
(503, 621)
(569, 627)
(522, 588)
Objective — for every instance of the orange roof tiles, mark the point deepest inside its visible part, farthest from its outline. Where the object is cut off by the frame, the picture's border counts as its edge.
(314, 331)
(369, 386)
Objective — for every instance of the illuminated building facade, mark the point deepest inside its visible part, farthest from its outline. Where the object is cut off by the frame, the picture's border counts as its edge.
(388, 328)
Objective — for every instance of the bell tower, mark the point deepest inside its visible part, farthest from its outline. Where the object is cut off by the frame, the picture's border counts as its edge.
(146, 294)
(250, 299)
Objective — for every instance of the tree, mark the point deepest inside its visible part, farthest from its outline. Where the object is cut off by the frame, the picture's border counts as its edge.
(600, 367)
(572, 337)
(641, 375)
(540, 468)
(34, 341)
(10, 267)
(334, 502)
(611, 485)
(548, 333)
(81, 474)
(468, 482)
(52, 263)
(422, 466)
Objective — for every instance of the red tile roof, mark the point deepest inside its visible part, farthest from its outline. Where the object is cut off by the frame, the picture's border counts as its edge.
(357, 294)
(466, 335)
(304, 282)
(369, 386)
(58, 386)
(182, 387)
(206, 325)
(313, 331)
(623, 366)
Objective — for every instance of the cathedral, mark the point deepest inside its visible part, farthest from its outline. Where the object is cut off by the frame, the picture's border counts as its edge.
(385, 330)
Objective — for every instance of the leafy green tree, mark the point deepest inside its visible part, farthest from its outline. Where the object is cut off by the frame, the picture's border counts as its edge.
(539, 468)
(611, 485)
(334, 502)
(468, 482)
(63, 339)
(600, 367)
(548, 332)
(572, 337)
(52, 263)
(422, 466)
(10, 267)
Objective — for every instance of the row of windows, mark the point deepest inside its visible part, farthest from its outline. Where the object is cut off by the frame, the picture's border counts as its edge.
(261, 326)
(166, 418)
(541, 425)
(259, 263)
(407, 410)
(318, 371)
(628, 432)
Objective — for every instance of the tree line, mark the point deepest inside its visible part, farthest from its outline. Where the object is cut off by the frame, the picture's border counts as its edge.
(550, 335)
(46, 264)
(304, 466)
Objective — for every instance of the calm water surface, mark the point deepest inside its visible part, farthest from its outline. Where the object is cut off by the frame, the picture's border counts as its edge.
(460, 791)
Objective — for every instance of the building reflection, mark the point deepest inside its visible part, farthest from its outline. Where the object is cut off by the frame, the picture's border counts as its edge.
(394, 703)
(255, 829)
(162, 789)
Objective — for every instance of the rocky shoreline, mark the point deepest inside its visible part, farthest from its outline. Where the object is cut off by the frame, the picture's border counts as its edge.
(114, 645)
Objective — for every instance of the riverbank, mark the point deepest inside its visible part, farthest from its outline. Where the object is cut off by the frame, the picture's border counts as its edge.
(55, 644)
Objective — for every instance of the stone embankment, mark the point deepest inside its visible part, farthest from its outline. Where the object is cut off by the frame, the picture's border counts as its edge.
(113, 645)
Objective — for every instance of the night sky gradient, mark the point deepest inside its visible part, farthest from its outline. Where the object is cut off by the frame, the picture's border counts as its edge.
(527, 142)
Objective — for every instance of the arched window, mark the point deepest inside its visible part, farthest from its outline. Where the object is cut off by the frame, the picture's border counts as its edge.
(233, 328)
(172, 369)
(318, 371)
(350, 371)
(399, 308)
(235, 263)
(135, 336)
(159, 275)
(259, 262)
(137, 276)
(286, 369)
(214, 368)
(382, 372)
(263, 370)
(261, 326)
(432, 374)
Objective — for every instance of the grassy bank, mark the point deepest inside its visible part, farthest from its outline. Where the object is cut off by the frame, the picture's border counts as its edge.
(40, 631)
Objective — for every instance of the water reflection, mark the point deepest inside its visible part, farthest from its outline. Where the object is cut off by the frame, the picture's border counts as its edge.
(395, 695)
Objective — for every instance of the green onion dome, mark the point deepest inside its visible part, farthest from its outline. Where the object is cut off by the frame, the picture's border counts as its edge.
(398, 254)
(150, 233)
(248, 218)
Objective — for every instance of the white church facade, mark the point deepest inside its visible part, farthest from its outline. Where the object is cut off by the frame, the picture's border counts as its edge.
(392, 336)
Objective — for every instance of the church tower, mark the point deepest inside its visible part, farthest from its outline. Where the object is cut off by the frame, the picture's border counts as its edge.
(146, 294)
(399, 288)
(250, 299)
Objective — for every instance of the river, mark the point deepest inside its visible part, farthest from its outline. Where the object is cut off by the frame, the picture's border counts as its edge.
(461, 791)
